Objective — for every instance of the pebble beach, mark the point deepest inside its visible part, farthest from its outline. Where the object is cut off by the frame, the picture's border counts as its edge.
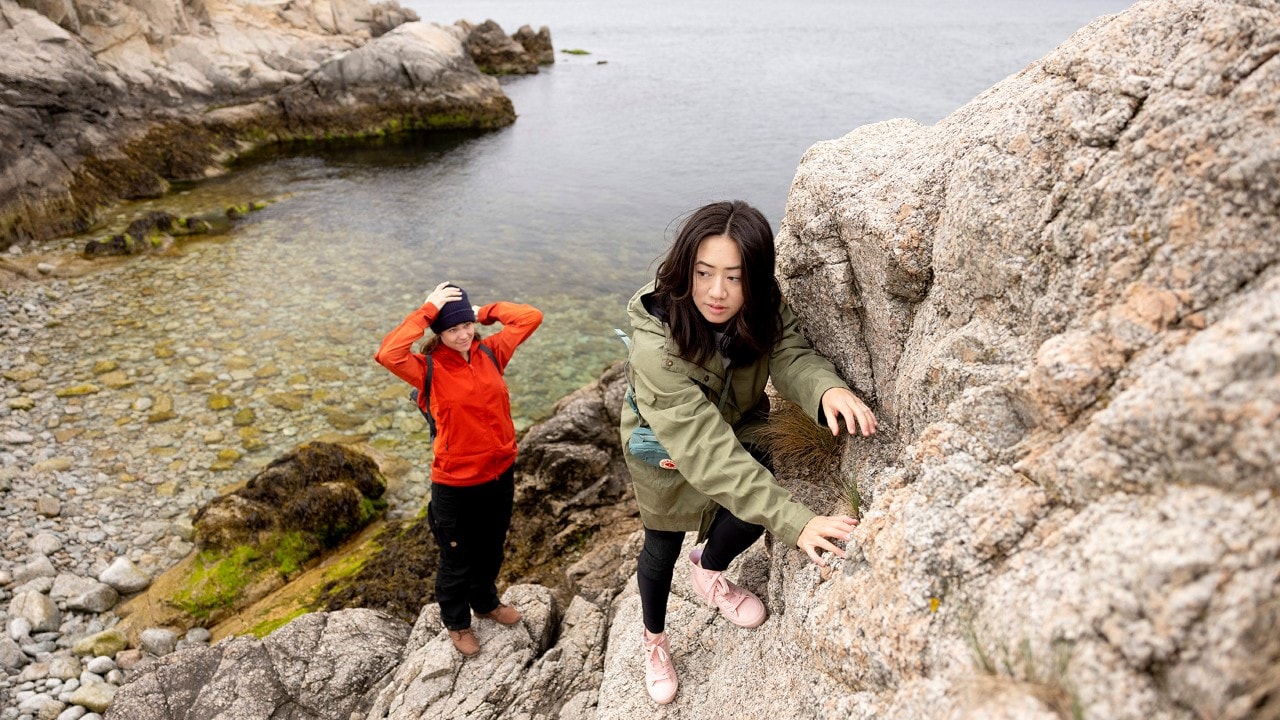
(131, 396)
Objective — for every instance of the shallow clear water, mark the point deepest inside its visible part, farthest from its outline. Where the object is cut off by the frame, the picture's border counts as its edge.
(677, 104)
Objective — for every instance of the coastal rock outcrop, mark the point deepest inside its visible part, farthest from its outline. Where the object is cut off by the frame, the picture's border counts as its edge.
(497, 53)
(102, 101)
(1064, 301)
(324, 665)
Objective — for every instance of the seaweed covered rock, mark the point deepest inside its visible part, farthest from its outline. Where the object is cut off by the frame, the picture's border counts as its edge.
(320, 490)
(152, 232)
(251, 542)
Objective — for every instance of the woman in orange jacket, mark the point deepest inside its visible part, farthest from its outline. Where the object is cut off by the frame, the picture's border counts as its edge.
(474, 445)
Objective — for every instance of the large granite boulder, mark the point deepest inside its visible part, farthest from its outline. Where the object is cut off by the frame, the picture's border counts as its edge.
(1063, 301)
(322, 666)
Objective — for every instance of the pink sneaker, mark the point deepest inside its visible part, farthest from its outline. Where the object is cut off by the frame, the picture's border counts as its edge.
(659, 671)
(740, 607)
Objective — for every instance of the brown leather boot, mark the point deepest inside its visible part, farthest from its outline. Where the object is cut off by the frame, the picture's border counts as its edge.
(504, 614)
(465, 641)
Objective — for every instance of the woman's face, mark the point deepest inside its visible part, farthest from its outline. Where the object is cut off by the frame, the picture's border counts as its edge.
(459, 337)
(717, 279)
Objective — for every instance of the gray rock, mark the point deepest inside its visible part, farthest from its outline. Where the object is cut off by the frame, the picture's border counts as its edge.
(40, 706)
(41, 585)
(123, 575)
(83, 594)
(100, 665)
(158, 641)
(12, 658)
(39, 567)
(37, 609)
(75, 712)
(323, 662)
(46, 544)
(65, 668)
(19, 628)
(498, 54)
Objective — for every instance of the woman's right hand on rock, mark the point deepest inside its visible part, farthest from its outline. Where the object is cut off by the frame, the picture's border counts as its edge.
(444, 293)
(814, 536)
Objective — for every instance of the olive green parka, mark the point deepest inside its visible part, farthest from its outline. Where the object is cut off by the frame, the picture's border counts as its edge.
(680, 401)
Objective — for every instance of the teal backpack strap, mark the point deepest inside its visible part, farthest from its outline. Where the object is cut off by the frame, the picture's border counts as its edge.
(626, 370)
(426, 388)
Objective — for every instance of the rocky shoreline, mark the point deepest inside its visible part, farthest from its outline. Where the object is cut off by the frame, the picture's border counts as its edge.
(102, 462)
(107, 101)
(1063, 301)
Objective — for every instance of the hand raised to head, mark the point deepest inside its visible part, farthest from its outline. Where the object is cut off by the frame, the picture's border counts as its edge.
(444, 293)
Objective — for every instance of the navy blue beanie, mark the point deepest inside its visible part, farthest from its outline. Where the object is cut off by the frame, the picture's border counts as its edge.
(454, 312)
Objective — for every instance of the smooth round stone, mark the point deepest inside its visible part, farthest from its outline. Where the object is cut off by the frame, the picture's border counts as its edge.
(100, 665)
(19, 628)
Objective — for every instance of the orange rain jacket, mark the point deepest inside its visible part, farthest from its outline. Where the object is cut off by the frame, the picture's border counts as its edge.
(476, 439)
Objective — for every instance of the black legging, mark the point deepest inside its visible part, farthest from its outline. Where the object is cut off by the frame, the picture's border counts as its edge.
(470, 526)
(726, 540)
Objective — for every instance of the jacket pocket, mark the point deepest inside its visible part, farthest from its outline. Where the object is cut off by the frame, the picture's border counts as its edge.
(659, 491)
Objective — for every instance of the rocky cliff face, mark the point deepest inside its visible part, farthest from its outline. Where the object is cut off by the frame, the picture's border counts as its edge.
(1065, 300)
(1065, 304)
(107, 100)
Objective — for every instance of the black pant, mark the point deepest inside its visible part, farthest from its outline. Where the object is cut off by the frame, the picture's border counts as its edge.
(726, 540)
(470, 526)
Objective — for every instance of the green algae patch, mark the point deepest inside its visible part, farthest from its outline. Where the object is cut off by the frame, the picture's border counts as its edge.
(217, 580)
(266, 627)
(293, 552)
(301, 595)
(574, 51)
(397, 576)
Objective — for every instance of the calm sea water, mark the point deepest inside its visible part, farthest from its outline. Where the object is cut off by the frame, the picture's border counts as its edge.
(679, 102)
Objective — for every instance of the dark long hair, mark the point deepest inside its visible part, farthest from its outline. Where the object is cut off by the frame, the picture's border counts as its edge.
(751, 334)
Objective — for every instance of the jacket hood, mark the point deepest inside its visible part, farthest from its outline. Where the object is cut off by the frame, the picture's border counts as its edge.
(642, 319)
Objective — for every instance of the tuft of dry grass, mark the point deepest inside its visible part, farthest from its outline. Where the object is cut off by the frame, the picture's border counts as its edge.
(1021, 669)
(796, 442)
(802, 448)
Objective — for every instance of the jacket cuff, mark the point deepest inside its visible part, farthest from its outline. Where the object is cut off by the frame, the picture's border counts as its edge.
(793, 524)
